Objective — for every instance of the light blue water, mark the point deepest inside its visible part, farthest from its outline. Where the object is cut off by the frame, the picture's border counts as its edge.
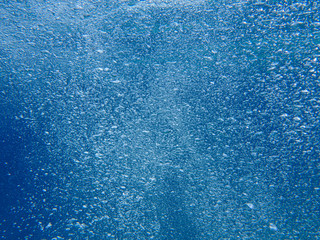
(159, 120)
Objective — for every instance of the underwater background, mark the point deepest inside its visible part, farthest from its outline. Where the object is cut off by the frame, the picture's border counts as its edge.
(189, 119)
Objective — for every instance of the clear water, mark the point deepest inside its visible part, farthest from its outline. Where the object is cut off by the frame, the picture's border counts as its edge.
(159, 119)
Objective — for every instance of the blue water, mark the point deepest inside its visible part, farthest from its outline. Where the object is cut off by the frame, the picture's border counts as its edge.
(159, 120)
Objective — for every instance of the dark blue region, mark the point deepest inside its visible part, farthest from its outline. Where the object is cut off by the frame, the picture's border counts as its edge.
(176, 222)
(24, 179)
(19, 178)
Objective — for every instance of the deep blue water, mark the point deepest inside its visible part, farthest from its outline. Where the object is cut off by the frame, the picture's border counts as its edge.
(159, 119)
